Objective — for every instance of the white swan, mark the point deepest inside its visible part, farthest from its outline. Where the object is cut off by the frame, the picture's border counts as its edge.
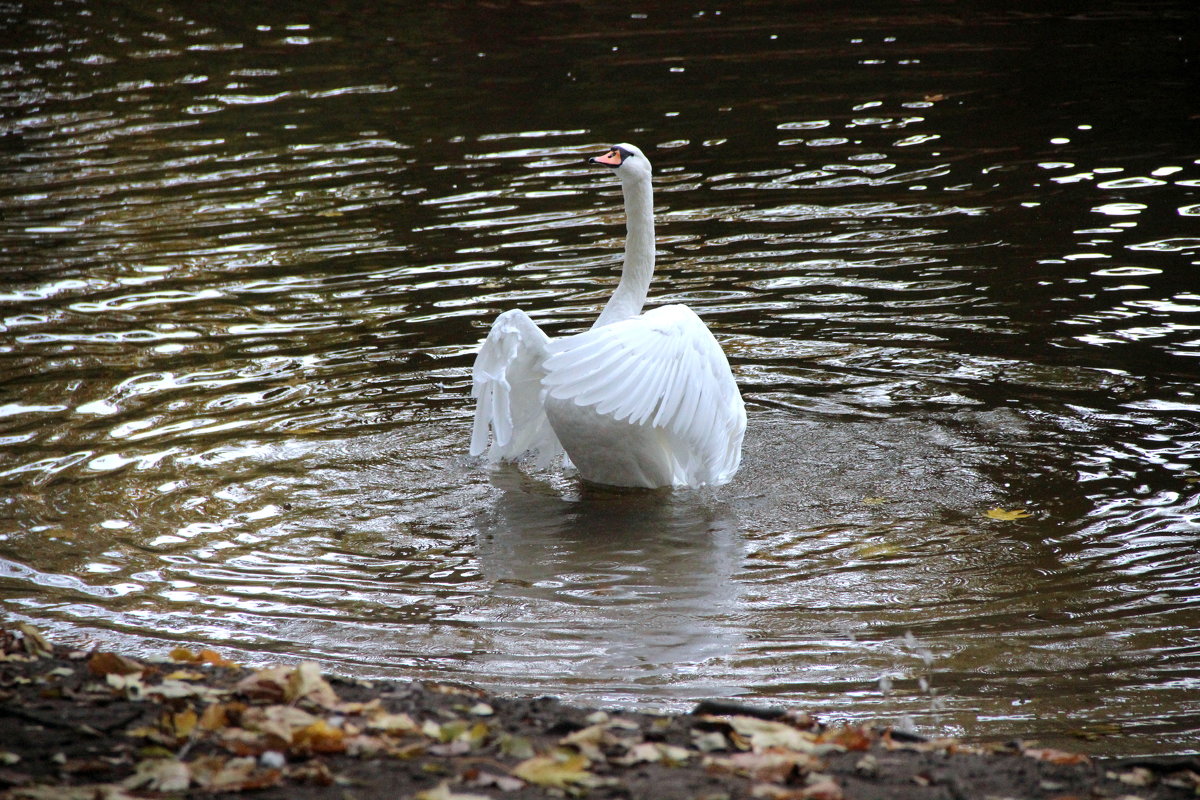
(640, 399)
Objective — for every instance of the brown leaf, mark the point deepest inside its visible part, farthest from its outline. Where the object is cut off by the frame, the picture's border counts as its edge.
(1056, 756)
(113, 664)
(776, 764)
(219, 774)
(849, 738)
(279, 721)
(265, 685)
(216, 715)
(205, 656)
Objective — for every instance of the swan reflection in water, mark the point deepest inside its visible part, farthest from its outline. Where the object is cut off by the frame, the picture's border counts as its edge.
(609, 588)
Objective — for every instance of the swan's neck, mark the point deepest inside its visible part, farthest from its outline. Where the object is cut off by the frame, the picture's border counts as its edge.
(630, 295)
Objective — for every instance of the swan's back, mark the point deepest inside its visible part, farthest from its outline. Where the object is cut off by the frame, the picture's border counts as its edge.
(655, 392)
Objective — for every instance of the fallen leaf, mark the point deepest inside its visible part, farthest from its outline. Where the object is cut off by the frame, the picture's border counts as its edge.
(113, 664)
(505, 783)
(656, 753)
(709, 741)
(218, 774)
(34, 642)
(129, 685)
(1007, 516)
(822, 789)
(775, 765)
(265, 685)
(205, 656)
(216, 715)
(765, 734)
(442, 792)
(320, 737)
(561, 771)
(589, 740)
(159, 775)
(279, 721)
(1056, 756)
(516, 746)
(849, 738)
(315, 772)
(1139, 777)
(877, 550)
(174, 690)
(305, 682)
(392, 723)
(182, 723)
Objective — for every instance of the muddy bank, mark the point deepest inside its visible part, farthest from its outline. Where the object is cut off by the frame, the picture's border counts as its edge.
(101, 725)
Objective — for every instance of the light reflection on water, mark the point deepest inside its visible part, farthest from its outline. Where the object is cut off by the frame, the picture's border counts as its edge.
(246, 262)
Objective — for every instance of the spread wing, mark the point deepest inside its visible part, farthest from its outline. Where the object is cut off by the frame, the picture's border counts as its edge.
(507, 387)
(662, 369)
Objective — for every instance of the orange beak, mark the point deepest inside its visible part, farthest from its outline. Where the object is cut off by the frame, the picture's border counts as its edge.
(610, 159)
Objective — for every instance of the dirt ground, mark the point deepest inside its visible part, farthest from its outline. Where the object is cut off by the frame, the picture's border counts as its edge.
(101, 726)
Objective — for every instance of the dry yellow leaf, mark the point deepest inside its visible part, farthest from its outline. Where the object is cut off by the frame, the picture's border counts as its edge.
(182, 723)
(320, 737)
(560, 771)
(1006, 516)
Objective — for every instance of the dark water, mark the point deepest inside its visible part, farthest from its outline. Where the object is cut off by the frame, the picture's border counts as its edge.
(248, 250)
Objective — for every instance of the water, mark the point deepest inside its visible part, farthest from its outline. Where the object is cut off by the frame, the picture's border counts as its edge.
(248, 253)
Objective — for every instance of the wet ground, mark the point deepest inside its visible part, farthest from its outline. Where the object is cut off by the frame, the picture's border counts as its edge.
(100, 724)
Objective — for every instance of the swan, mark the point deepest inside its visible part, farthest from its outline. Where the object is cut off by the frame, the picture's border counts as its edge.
(641, 399)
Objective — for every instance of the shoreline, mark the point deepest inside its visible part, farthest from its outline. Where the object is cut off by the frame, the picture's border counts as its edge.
(99, 724)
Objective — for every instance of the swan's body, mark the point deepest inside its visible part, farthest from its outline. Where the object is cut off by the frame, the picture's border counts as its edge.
(640, 399)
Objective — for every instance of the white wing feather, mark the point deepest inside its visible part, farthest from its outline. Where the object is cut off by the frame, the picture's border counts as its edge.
(663, 369)
(507, 387)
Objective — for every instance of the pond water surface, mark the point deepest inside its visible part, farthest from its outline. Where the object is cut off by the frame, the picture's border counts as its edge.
(248, 253)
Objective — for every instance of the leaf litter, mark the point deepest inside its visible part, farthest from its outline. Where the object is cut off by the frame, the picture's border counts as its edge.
(104, 726)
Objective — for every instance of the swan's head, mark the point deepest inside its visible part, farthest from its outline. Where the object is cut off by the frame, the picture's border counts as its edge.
(626, 159)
